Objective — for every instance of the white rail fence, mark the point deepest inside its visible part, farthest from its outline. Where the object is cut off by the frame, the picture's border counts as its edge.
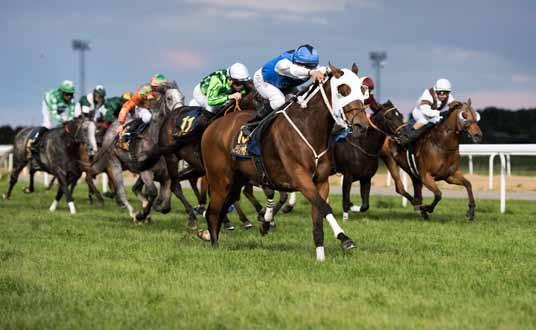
(504, 151)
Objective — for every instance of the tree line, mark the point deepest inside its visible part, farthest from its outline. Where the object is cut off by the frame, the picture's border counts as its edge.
(498, 126)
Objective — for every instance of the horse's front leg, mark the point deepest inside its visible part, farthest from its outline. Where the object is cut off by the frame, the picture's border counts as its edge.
(364, 187)
(346, 203)
(430, 183)
(172, 164)
(115, 171)
(458, 179)
(317, 196)
(151, 193)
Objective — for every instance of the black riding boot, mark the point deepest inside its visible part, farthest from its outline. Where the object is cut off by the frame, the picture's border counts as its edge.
(408, 137)
(261, 111)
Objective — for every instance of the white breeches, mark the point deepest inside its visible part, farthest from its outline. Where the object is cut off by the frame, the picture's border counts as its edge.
(199, 99)
(423, 119)
(268, 91)
(144, 114)
(48, 121)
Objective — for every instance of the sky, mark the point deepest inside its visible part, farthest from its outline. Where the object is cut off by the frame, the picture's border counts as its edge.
(486, 48)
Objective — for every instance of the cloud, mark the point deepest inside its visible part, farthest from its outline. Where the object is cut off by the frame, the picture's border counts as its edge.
(184, 60)
(522, 78)
(312, 11)
(503, 99)
(460, 54)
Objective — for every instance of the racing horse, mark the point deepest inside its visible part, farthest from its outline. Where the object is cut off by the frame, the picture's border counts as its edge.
(436, 157)
(143, 155)
(295, 153)
(357, 156)
(58, 153)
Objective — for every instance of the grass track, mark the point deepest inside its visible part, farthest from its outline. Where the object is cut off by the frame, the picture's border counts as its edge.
(95, 270)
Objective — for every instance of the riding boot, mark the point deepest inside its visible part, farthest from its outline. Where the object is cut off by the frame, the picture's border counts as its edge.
(261, 111)
(408, 137)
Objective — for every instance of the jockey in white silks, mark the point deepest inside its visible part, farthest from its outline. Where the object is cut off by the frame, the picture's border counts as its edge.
(427, 111)
(283, 74)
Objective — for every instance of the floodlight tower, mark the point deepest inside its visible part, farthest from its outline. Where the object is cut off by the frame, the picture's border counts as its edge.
(378, 61)
(82, 46)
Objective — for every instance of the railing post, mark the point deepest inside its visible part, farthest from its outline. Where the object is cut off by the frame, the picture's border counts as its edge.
(502, 189)
(45, 179)
(10, 162)
(389, 179)
(491, 158)
(471, 164)
(405, 184)
(508, 165)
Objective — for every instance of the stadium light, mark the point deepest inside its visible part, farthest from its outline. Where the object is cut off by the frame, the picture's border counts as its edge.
(82, 46)
(378, 61)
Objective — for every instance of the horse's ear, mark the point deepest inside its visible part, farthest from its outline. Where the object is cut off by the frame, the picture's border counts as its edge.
(336, 71)
(469, 102)
(355, 68)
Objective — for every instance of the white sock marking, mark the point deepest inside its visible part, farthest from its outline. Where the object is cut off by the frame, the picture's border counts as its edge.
(320, 256)
(72, 209)
(53, 206)
(334, 225)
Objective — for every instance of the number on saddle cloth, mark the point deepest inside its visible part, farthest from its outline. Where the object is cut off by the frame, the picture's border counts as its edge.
(131, 130)
(248, 142)
(189, 122)
(32, 144)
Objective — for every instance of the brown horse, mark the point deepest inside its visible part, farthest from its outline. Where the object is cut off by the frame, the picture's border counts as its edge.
(295, 153)
(356, 157)
(437, 158)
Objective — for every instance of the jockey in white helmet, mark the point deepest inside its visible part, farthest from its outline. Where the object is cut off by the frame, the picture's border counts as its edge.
(427, 111)
(219, 87)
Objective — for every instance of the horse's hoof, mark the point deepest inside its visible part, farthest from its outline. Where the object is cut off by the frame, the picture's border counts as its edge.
(204, 235)
(140, 217)
(109, 194)
(192, 224)
(287, 209)
(4, 197)
(424, 215)
(348, 244)
(247, 224)
(27, 190)
(199, 210)
(355, 208)
(148, 220)
(228, 225)
(264, 228)
(273, 224)
(470, 215)
(345, 216)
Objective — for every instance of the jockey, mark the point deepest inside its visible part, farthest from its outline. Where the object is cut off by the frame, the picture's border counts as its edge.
(58, 105)
(219, 87)
(427, 112)
(110, 111)
(368, 85)
(146, 92)
(92, 104)
(284, 73)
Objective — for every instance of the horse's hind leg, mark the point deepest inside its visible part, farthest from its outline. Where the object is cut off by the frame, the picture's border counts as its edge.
(92, 190)
(151, 192)
(172, 164)
(19, 166)
(458, 179)
(116, 175)
(63, 186)
(283, 197)
(430, 183)
(291, 203)
(30, 188)
(346, 203)
(268, 219)
(364, 189)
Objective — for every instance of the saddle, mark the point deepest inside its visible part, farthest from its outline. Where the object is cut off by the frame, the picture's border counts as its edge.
(248, 144)
(33, 141)
(192, 120)
(130, 133)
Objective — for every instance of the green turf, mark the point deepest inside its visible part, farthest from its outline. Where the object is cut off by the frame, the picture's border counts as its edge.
(95, 270)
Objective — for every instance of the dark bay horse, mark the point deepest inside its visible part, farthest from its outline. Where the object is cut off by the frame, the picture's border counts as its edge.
(437, 158)
(58, 154)
(356, 158)
(146, 154)
(295, 153)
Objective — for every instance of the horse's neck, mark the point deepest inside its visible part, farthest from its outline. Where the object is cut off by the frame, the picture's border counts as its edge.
(373, 140)
(315, 121)
(446, 134)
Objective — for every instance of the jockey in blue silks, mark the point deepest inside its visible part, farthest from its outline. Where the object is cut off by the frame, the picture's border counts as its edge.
(285, 73)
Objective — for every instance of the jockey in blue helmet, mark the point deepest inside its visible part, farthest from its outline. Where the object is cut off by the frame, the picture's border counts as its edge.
(285, 73)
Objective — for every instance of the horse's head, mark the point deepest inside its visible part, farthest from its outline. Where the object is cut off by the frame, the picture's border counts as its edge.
(467, 120)
(348, 99)
(388, 118)
(172, 99)
(82, 130)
